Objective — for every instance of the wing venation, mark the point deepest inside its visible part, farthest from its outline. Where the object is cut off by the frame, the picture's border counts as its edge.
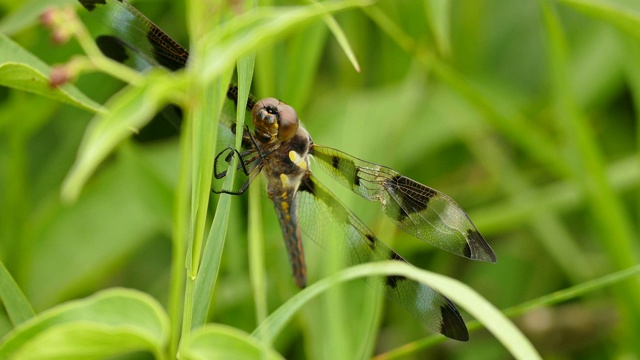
(319, 210)
(423, 212)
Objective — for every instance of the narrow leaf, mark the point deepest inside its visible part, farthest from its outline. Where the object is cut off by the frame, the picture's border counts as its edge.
(15, 303)
(19, 69)
(505, 331)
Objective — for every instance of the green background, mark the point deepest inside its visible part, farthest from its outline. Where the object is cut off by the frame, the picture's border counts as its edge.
(523, 111)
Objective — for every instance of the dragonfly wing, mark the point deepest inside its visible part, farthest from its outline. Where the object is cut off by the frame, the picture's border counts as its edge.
(423, 212)
(138, 32)
(319, 209)
(139, 43)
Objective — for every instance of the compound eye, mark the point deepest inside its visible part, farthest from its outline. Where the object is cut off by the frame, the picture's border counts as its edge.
(272, 118)
(288, 122)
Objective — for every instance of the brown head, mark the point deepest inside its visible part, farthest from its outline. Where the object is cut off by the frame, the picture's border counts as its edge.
(274, 119)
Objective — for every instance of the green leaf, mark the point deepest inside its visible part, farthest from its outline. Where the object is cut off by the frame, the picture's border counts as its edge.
(110, 322)
(461, 294)
(438, 14)
(624, 18)
(129, 110)
(341, 37)
(224, 342)
(14, 301)
(252, 31)
(19, 69)
(212, 254)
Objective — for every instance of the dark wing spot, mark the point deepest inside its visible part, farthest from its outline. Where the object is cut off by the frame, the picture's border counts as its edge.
(393, 280)
(91, 4)
(335, 162)
(347, 168)
(372, 241)
(467, 249)
(481, 249)
(414, 197)
(112, 48)
(342, 165)
(452, 325)
(307, 185)
(395, 256)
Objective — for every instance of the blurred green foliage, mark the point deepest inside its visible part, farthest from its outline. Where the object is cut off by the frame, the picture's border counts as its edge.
(522, 111)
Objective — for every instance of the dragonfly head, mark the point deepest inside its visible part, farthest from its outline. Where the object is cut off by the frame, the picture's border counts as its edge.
(273, 118)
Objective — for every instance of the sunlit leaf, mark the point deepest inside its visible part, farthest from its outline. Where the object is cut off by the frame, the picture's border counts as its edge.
(110, 322)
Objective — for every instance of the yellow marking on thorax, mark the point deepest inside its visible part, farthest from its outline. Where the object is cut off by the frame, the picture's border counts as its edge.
(298, 160)
(285, 180)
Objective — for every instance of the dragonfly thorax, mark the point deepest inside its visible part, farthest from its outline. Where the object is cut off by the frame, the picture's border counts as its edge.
(274, 119)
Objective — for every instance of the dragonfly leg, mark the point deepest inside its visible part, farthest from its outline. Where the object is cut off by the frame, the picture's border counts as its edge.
(252, 175)
(232, 152)
(221, 174)
(255, 144)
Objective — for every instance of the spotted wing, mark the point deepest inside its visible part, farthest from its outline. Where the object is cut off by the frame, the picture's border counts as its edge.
(141, 44)
(135, 31)
(423, 212)
(319, 210)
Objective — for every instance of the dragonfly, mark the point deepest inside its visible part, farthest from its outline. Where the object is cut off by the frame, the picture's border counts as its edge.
(282, 150)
